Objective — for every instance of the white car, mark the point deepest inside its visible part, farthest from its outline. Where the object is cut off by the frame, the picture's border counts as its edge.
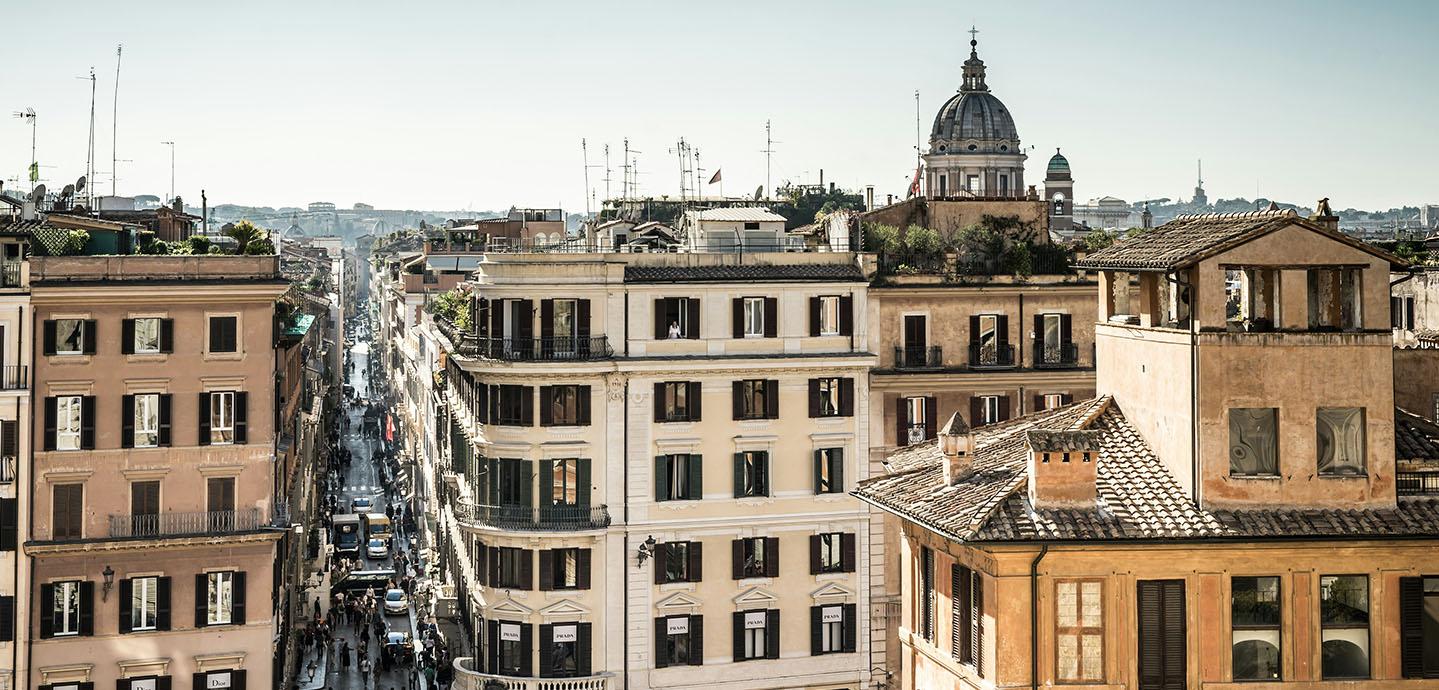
(396, 601)
(360, 504)
(377, 548)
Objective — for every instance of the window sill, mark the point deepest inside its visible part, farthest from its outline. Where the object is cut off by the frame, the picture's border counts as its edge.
(755, 581)
(677, 587)
(749, 501)
(832, 576)
(832, 497)
(68, 360)
(142, 357)
(1261, 477)
(1362, 475)
(223, 356)
(681, 504)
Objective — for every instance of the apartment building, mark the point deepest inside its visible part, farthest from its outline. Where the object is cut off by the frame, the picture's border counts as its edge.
(647, 466)
(1203, 521)
(15, 343)
(153, 537)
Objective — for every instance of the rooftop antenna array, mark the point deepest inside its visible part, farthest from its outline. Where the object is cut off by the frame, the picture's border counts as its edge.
(607, 172)
(115, 123)
(28, 115)
(769, 143)
(89, 152)
(589, 193)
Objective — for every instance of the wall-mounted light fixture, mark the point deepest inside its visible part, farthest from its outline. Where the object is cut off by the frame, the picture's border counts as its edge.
(647, 550)
(109, 574)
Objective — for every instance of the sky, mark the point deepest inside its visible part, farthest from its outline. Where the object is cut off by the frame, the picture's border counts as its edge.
(483, 105)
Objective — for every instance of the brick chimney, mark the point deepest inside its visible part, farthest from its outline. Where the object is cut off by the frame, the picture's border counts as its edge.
(1323, 215)
(1062, 468)
(956, 442)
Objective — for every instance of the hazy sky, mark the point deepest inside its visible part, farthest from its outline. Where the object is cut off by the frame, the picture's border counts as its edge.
(468, 104)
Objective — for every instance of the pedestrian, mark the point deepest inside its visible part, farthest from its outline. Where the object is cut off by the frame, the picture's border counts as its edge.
(345, 656)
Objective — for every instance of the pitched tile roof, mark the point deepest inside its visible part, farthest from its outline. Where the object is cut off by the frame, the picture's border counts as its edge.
(1046, 441)
(1138, 497)
(1415, 438)
(1190, 238)
(746, 272)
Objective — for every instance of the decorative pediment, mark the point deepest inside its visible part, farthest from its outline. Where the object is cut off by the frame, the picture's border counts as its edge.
(564, 610)
(832, 592)
(755, 598)
(679, 602)
(509, 608)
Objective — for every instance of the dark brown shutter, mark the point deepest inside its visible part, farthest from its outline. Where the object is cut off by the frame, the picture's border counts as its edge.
(526, 326)
(813, 398)
(737, 627)
(582, 327)
(771, 398)
(976, 639)
(164, 440)
(660, 557)
(9, 521)
(1038, 403)
(237, 598)
(547, 324)
(662, 478)
(527, 405)
(736, 314)
(127, 336)
(1001, 336)
(771, 317)
(695, 467)
(90, 336)
(815, 305)
(582, 569)
(976, 411)
(662, 647)
(527, 570)
(547, 570)
(817, 467)
(582, 405)
(847, 551)
(50, 420)
(127, 590)
(694, 393)
(49, 337)
(1065, 398)
(162, 603)
(47, 605)
(662, 329)
(1411, 627)
(737, 398)
(816, 631)
(1003, 407)
(7, 619)
(242, 417)
(527, 643)
(696, 563)
(547, 394)
(1066, 328)
(974, 329)
(846, 397)
(697, 640)
(202, 594)
(167, 335)
(127, 421)
(851, 627)
(87, 608)
(10, 438)
(771, 634)
(693, 332)
(814, 566)
(901, 422)
(87, 422)
(737, 559)
(204, 419)
(739, 472)
(846, 315)
(659, 401)
(1162, 644)
(771, 556)
(931, 417)
(1037, 335)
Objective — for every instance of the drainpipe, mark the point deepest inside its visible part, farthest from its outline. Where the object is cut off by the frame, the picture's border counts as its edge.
(1193, 383)
(625, 549)
(1034, 617)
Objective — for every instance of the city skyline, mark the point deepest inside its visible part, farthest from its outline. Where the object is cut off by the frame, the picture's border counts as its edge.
(273, 106)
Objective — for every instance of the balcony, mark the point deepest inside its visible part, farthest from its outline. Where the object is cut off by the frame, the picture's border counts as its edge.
(1417, 483)
(918, 357)
(560, 518)
(7, 469)
(15, 377)
(189, 524)
(1055, 356)
(992, 356)
(12, 274)
(466, 678)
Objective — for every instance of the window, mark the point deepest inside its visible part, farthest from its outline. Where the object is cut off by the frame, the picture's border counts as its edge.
(678, 640)
(1344, 619)
(831, 397)
(829, 471)
(1334, 299)
(565, 482)
(1250, 298)
(1079, 621)
(678, 477)
(831, 552)
(514, 568)
(751, 474)
(1419, 626)
(926, 591)
(1254, 441)
(1401, 313)
(966, 615)
(219, 597)
(222, 417)
(511, 405)
(754, 317)
(1255, 607)
(830, 636)
(1340, 443)
(1053, 401)
(144, 507)
(563, 651)
(677, 318)
(147, 336)
(677, 401)
(1053, 340)
(70, 337)
(755, 559)
(69, 422)
(916, 417)
(564, 405)
(678, 561)
(756, 399)
(757, 635)
(65, 608)
(513, 656)
(224, 333)
(67, 511)
(144, 603)
(564, 568)
(829, 315)
(147, 420)
(988, 407)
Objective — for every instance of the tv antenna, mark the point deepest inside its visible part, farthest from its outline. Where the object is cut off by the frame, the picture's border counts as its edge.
(89, 152)
(589, 193)
(115, 123)
(607, 172)
(769, 143)
(171, 144)
(28, 115)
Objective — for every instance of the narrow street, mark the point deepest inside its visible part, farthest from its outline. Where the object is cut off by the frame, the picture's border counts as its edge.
(368, 646)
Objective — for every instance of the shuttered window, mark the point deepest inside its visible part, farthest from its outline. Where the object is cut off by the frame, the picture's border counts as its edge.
(224, 333)
(68, 511)
(1419, 627)
(679, 641)
(926, 590)
(1162, 644)
(1079, 630)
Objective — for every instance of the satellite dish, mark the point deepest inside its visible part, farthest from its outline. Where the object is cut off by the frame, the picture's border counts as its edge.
(80, 184)
(68, 191)
(39, 194)
(759, 192)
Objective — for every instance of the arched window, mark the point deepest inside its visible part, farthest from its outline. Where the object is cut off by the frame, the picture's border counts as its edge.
(1059, 204)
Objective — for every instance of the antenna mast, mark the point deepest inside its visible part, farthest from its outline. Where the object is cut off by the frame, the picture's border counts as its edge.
(768, 149)
(918, 152)
(607, 172)
(625, 173)
(585, 154)
(33, 173)
(90, 154)
(114, 123)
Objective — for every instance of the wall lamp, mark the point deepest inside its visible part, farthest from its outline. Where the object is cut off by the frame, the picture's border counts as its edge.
(647, 550)
(109, 582)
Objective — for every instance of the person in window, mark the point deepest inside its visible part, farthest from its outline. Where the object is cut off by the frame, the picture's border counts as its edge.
(72, 343)
(674, 330)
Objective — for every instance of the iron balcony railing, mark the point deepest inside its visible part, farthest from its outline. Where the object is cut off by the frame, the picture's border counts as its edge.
(1055, 356)
(7, 469)
(467, 678)
(189, 524)
(993, 356)
(15, 377)
(548, 349)
(11, 274)
(561, 518)
(1417, 483)
(918, 357)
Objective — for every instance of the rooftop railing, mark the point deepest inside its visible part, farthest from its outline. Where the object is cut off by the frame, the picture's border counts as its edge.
(1417, 483)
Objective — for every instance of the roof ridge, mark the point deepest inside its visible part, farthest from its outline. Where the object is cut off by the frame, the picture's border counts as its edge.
(1238, 215)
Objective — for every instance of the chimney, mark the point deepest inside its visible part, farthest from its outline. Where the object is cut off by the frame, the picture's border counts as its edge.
(177, 205)
(956, 442)
(869, 198)
(1062, 468)
(1323, 215)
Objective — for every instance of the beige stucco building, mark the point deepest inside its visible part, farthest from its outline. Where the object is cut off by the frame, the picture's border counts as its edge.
(1204, 521)
(155, 518)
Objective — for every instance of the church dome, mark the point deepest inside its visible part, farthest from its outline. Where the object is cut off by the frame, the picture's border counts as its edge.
(1058, 167)
(976, 115)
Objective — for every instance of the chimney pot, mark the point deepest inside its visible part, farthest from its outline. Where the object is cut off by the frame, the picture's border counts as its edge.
(956, 443)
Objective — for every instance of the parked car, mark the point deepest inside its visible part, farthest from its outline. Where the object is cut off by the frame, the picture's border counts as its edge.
(396, 601)
(377, 548)
(361, 504)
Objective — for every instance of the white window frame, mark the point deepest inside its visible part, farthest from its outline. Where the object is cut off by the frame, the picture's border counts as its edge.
(152, 320)
(219, 597)
(569, 570)
(222, 417)
(67, 603)
(755, 646)
(1053, 400)
(831, 552)
(989, 409)
(832, 632)
(147, 420)
(829, 396)
(69, 421)
(754, 317)
(829, 315)
(60, 342)
(679, 472)
(144, 603)
(918, 415)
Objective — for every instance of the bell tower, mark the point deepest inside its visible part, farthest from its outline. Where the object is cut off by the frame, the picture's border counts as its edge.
(1059, 193)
